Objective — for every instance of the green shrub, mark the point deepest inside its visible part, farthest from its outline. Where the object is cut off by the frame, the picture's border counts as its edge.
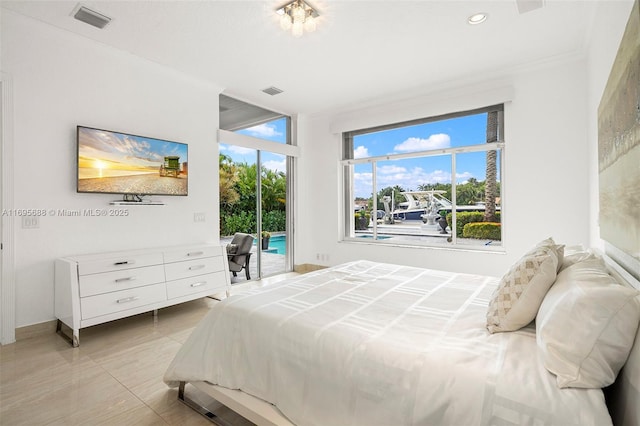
(482, 231)
(463, 218)
(238, 222)
(274, 221)
(361, 221)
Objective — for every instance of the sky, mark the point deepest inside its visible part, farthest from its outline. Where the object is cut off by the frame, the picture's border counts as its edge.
(409, 173)
(275, 131)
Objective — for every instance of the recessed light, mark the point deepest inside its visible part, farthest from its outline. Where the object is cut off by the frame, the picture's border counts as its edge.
(477, 18)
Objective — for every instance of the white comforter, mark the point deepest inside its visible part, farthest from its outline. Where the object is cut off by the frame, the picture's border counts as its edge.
(377, 344)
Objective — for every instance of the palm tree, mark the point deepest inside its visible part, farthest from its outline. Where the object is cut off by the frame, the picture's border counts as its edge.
(490, 189)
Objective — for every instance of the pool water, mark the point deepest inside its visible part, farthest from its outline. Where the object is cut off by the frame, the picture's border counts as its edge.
(380, 237)
(277, 244)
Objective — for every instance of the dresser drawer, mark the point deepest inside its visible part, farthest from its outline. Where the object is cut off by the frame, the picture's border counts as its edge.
(119, 262)
(206, 284)
(120, 280)
(189, 253)
(191, 268)
(103, 304)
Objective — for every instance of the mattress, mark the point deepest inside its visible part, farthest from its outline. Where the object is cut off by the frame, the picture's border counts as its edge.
(368, 343)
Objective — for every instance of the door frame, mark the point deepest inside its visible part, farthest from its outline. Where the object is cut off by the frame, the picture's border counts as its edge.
(7, 261)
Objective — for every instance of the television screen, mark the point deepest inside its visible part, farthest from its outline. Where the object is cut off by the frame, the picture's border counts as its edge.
(120, 163)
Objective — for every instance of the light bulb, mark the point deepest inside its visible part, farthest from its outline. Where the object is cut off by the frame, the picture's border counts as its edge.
(310, 24)
(297, 29)
(285, 22)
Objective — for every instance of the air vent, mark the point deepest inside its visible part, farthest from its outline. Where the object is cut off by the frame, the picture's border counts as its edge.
(272, 91)
(91, 17)
(525, 6)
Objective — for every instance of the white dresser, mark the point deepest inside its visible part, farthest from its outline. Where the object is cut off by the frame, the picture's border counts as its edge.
(96, 288)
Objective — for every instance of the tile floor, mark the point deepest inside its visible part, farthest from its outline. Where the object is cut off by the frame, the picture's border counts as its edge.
(113, 378)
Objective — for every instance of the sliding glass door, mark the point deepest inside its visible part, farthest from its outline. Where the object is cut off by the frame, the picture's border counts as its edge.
(255, 180)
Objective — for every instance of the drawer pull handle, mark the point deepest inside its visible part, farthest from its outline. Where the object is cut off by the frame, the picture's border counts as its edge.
(127, 299)
(125, 262)
(195, 253)
(198, 284)
(119, 280)
(196, 267)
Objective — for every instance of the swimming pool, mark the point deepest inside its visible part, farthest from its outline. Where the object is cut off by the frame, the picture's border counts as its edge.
(277, 244)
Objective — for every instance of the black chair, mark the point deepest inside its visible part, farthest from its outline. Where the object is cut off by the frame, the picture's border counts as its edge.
(239, 253)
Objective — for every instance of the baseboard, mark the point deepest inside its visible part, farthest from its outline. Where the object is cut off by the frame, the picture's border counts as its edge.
(29, 331)
(307, 267)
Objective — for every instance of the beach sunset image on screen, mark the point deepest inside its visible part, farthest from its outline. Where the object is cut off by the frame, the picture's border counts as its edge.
(121, 163)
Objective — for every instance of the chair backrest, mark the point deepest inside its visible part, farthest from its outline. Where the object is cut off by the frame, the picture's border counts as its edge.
(243, 241)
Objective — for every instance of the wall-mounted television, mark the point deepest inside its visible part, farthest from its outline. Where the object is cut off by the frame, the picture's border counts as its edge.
(121, 163)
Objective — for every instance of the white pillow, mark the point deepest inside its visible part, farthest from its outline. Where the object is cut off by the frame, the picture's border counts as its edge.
(559, 248)
(515, 302)
(586, 326)
(572, 257)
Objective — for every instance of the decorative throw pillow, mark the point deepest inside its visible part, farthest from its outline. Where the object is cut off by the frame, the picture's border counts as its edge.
(515, 302)
(586, 326)
(232, 248)
(559, 248)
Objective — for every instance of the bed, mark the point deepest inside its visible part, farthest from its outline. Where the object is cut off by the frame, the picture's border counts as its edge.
(366, 343)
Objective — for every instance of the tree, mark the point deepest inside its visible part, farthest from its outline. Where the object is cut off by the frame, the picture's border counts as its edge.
(228, 179)
(396, 191)
(274, 190)
(491, 186)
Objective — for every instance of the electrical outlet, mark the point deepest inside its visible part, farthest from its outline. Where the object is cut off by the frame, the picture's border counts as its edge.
(199, 217)
(30, 222)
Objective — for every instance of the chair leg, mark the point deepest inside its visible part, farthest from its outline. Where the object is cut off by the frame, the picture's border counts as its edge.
(234, 274)
(246, 271)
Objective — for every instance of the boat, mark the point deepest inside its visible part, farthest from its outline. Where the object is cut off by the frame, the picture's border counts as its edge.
(427, 205)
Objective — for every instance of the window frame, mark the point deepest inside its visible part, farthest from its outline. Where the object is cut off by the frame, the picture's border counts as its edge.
(347, 164)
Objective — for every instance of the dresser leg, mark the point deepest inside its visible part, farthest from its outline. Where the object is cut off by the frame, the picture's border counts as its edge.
(155, 312)
(74, 340)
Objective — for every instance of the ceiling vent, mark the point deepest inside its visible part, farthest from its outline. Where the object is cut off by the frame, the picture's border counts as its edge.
(272, 91)
(525, 6)
(91, 17)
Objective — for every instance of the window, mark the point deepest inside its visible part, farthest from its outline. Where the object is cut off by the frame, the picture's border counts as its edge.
(412, 183)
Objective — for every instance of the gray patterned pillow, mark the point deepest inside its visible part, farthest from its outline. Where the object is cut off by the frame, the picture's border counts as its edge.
(521, 290)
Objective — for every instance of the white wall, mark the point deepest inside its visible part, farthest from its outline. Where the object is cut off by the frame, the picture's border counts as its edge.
(546, 170)
(61, 80)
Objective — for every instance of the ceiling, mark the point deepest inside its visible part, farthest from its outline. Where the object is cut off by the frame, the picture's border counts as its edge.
(362, 52)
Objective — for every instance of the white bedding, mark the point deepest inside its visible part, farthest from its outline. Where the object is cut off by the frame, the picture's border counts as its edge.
(367, 343)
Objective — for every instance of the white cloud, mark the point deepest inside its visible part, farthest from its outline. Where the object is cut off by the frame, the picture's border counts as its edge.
(462, 178)
(409, 179)
(264, 131)
(360, 152)
(437, 141)
(241, 150)
(276, 166)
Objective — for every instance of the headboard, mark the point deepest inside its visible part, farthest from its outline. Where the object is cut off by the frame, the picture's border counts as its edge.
(623, 397)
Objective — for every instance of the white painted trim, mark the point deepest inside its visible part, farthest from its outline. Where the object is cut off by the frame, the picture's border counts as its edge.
(7, 282)
(436, 104)
(232, 138)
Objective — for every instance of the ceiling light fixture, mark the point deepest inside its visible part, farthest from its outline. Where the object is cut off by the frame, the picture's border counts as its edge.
(298, 16)
(477, 18)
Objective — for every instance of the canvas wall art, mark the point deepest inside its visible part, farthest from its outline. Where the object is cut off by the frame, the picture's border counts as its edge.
(619, 148)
